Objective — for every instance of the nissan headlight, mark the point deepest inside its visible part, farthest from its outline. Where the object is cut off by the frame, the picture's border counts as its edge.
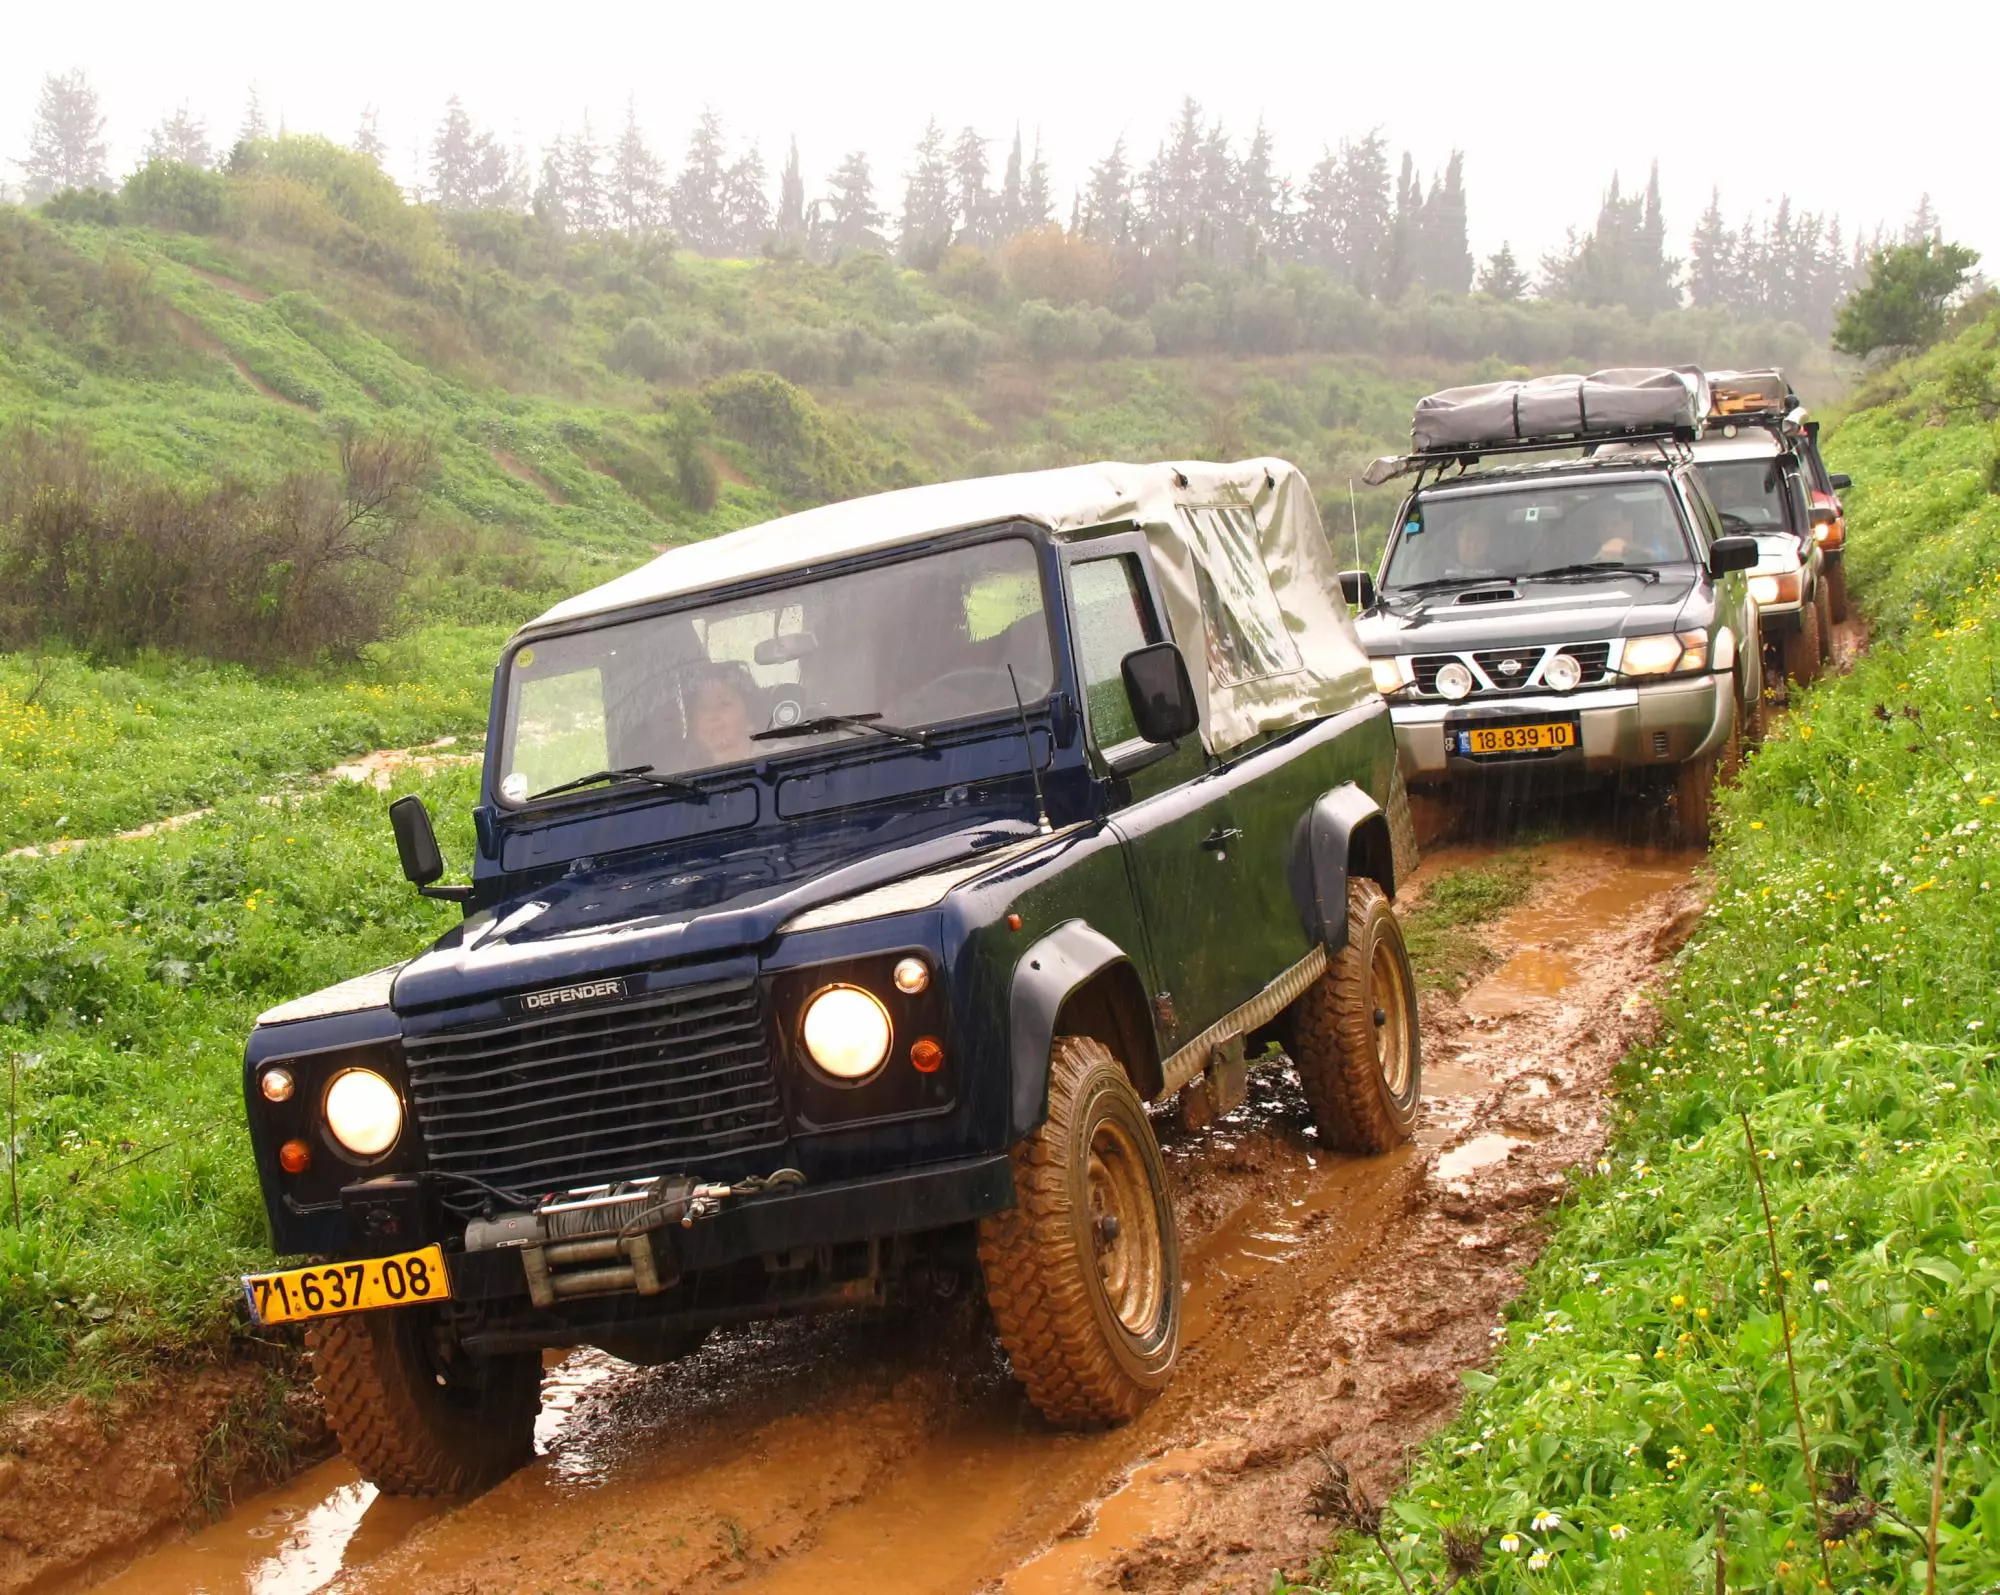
(363, 1112)
(1665, 653)
(1454, 681)
(846, 1032)
(1388, 676)
(1563, 673)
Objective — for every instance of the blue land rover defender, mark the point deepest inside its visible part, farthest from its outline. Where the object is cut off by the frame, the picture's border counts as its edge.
(845, 890)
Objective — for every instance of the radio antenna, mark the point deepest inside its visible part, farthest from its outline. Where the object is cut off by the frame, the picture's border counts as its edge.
(1034, 769)
(1354, 518)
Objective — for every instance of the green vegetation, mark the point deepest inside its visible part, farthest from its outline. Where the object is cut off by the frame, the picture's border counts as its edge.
(1901, 305)
(1842, 994)
(1443, 928)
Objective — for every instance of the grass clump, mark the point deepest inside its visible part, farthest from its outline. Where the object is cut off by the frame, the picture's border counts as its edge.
(1844, 994)
(1446, 948)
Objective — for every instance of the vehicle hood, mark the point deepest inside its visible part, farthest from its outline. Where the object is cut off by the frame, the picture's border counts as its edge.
(626, 915)
(1540, 613)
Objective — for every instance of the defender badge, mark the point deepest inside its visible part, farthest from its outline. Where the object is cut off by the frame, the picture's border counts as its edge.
(584, 991)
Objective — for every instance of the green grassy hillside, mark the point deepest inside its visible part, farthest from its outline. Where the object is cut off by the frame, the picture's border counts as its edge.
(1842, 994)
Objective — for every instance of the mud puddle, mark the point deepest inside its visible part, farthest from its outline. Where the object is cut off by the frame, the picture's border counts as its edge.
(1331, 1304)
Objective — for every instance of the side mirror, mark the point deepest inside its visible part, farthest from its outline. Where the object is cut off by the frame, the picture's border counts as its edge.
(1733, 553)
(1840, 481)
(417, 846)
(1358, 588)
(1160, 691)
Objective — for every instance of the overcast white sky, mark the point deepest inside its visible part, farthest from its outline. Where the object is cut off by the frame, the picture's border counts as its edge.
(1849, 108)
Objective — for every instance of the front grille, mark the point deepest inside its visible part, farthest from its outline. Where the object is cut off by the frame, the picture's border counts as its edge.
(672, 1082)
(1593, 656)
(1494, 662)
(1426, 667)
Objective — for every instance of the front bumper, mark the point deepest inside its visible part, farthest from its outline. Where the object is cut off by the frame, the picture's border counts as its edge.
(910, 1202)
(1780, 620)
(1660, 724)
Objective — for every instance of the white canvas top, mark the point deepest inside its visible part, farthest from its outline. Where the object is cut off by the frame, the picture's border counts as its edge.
(1251, 586)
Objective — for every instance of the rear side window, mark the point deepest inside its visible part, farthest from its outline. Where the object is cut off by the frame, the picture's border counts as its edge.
(1246, 634)
(1753, 495)
(1107, 597)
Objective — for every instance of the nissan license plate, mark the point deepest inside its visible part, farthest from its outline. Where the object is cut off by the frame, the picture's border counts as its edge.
(1478, 741)
(403, 1280)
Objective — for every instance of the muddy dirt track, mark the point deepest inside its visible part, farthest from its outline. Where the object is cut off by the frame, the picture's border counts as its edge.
(1332, 1302)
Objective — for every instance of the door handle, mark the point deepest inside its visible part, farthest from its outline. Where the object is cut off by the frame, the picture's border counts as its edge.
(1221, 837)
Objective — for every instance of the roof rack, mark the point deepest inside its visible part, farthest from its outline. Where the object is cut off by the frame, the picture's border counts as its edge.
(1391, 466)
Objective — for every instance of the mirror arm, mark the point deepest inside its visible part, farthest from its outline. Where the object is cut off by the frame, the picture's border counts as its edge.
(446, 894)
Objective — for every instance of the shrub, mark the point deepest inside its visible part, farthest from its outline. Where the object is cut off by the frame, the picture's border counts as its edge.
(1049, 334)
(690, 431)
(647, 353)
(115, 563)
(1049, 263)
(91, 205)
(177, 197)
(1188, 323)
(967, 273)
(946, 346)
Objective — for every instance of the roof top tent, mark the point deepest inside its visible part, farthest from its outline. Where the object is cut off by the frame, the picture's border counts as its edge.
(1243, 562)
(1633, 404)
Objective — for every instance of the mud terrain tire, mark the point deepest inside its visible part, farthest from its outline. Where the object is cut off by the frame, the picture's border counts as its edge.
(1802, 647)
(1089, 1314)
(1694, 800)
(1824, 605)
(1836, 589)
(1403, 851)
(1362, 1074)
(405, 1432)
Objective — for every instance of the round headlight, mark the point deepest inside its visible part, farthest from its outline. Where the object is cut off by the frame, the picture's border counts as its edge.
(912, 976)
(363, 1112)
(276, 1084)
(1455, 681)
(1563, 673)
(846, 1032)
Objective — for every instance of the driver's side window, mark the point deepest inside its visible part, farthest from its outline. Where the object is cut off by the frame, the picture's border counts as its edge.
(1109, 618)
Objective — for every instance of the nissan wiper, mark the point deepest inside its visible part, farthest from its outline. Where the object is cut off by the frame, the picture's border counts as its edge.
(631, 772)
(821, 723)
(1438, 582)
(1591, 567)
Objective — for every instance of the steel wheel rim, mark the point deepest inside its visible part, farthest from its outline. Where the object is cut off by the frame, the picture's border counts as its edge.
(1392, 1035)
(1130, 1262)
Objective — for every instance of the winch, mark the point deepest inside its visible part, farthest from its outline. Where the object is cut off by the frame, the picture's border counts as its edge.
(600, 1239)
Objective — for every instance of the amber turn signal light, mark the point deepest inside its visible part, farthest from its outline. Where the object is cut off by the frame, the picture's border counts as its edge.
(295, 1157)
(926, 1055)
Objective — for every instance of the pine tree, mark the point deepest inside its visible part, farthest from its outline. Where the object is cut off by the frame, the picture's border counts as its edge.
(254, 125)
(696, 200)
(1360, 213)
(971, 200)
(66, 147)
(1923, 223)
(1259, 199)
(580, 169)
(368, 137)
(638, 180)
(1502, 277)
(849, 218)
(1710, 258)
(1218, 212)
(1445, 261)
(925, 231)
(1169, 187)
(746, 204)
(790, 222)
(468, 167)
(1105, 209)
(1038, 203)
(1401, 268)
(1008, 206)
(182, 139)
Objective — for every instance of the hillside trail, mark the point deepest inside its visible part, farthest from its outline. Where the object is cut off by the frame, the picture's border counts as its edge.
(1331, 1304)
(378, 769)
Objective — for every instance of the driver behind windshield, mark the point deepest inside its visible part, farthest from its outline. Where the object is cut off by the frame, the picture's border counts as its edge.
(1495, 536)
(719, 712)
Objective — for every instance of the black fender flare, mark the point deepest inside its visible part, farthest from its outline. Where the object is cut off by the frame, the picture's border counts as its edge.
(1343, 824)
(1050, 972)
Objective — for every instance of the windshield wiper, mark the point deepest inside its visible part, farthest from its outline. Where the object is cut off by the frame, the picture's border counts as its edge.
(1437, 582)
(1592, 567)
(843, 722)
(631, 772)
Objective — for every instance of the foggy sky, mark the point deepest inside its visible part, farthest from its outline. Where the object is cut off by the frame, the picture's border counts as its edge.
(1850, 109)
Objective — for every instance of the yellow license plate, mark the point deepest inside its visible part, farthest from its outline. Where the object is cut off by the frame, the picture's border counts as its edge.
(1517, 739)
(329, 1288)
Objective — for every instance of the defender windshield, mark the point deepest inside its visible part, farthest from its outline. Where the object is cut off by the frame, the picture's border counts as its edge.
(909, 644)
(1541, 528)
(1750, 493)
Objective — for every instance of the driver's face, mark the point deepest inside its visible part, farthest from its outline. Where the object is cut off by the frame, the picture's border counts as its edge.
(722, 721)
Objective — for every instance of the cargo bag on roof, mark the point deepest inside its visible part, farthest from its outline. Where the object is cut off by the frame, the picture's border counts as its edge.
(1603, 404)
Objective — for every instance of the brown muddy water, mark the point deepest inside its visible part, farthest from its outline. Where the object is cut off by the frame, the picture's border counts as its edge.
(1331, 1304)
